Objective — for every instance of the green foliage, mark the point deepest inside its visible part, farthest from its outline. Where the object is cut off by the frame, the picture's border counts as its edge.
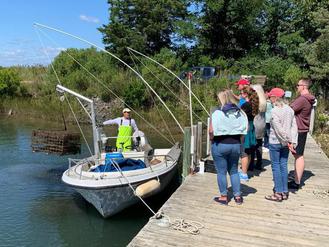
(84, 70)
(136, 96)
(146, 26)
(9, 82)
(317, 52)
(229, 28)
(322, 117)
(284, 40)
(292, 75)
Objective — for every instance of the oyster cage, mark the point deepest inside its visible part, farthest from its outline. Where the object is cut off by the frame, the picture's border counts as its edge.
(59, 142)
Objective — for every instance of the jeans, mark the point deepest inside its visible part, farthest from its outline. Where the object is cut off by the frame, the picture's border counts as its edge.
(267, 134)
(226, 157)
(279, 158)
(259, 154)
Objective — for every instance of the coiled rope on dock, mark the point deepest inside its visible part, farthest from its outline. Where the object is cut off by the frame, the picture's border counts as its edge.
(191, 227)
(185, 226)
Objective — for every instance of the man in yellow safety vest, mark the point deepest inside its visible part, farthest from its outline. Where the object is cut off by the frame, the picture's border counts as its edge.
(126, 125)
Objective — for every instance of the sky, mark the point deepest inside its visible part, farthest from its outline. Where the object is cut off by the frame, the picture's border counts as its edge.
(22, 43)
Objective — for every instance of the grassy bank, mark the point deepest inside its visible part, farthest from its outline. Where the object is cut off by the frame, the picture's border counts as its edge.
(321, 125)
(52, 109)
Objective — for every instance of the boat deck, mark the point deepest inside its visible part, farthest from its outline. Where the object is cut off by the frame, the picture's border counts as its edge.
(303, 220)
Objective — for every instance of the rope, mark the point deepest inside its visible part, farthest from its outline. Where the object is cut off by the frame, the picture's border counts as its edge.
(37, 31)
(185, 226)
(182, 225)
(76, 119)
(116, 166)
(106, 87)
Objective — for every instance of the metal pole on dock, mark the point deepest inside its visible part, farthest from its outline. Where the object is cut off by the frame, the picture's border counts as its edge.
(208, 138)
(199, 142)
(186, 152)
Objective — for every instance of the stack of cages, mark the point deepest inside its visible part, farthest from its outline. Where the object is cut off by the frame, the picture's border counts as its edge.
(60, 142)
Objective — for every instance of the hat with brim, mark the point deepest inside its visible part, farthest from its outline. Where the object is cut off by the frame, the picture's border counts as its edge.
(126, 110)
(242, 82)
(277, 92)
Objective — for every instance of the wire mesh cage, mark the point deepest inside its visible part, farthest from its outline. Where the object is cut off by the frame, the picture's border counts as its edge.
(59, 142)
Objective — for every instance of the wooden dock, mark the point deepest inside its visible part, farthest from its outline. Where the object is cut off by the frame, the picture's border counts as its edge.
(302, 220)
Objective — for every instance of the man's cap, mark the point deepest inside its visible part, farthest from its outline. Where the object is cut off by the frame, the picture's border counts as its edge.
(278, 92)
(126, 110)
(242, 82)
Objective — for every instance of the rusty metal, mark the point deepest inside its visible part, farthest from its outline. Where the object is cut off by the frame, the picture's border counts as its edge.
(59, 142)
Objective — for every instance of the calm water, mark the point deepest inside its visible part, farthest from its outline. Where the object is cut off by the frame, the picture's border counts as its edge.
(37, 209)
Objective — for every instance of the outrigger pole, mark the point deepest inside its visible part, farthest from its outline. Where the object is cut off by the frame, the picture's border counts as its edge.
(191, 92)
(61, 89)
(114, 56)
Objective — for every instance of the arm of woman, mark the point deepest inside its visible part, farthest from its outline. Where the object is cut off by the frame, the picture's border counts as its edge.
(211, 131)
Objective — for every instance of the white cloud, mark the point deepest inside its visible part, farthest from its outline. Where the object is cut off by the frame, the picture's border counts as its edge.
(53, 50)
(29, 56)
(89, 18)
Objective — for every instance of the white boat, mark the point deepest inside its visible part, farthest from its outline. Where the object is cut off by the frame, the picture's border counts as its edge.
(112, 191)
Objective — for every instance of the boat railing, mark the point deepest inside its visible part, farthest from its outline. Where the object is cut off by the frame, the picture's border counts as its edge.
(75, 163)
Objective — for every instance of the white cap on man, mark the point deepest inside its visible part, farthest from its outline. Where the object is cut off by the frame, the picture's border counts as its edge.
(126, 110)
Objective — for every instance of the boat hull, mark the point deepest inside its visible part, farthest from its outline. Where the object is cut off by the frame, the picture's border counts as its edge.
(111, 200)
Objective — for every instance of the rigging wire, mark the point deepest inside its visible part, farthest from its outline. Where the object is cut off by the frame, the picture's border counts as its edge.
(191, 227)
(185, 104)
(120, 60)
(156, 106)
(111, 91)
(179, 224)
(173, 75)
(59, 81)
(79, 126)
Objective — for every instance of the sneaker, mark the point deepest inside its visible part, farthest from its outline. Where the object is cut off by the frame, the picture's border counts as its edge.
(293, 186)
(243, 177)
(265, 150)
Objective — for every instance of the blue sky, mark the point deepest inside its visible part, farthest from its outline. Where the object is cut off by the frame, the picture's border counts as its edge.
(19, 40)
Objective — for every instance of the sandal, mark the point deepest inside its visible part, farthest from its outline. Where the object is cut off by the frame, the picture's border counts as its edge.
(285, 195)
(275, 197)
(238, 200)
(221, 200)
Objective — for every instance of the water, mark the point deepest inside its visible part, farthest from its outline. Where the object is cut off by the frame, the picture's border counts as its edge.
(37, 209)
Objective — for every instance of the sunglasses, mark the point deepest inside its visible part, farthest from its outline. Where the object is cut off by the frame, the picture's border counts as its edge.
(300, 85)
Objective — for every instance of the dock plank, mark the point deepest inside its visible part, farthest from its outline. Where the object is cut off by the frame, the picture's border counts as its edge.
(302, 220)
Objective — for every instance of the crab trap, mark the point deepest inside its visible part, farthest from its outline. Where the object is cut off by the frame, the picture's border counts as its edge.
(58, 142)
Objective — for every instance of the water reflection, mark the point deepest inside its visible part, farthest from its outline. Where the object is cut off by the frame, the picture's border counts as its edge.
(37, 209)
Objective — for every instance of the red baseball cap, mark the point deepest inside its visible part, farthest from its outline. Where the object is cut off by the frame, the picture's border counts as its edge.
(242, 82)
(278, 92)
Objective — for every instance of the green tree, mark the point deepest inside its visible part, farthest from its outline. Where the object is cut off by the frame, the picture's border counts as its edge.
(317, 53)
(229, 28)
(9, 82)
(147, 26)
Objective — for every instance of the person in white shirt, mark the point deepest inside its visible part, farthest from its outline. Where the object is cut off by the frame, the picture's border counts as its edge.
(126, 127)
